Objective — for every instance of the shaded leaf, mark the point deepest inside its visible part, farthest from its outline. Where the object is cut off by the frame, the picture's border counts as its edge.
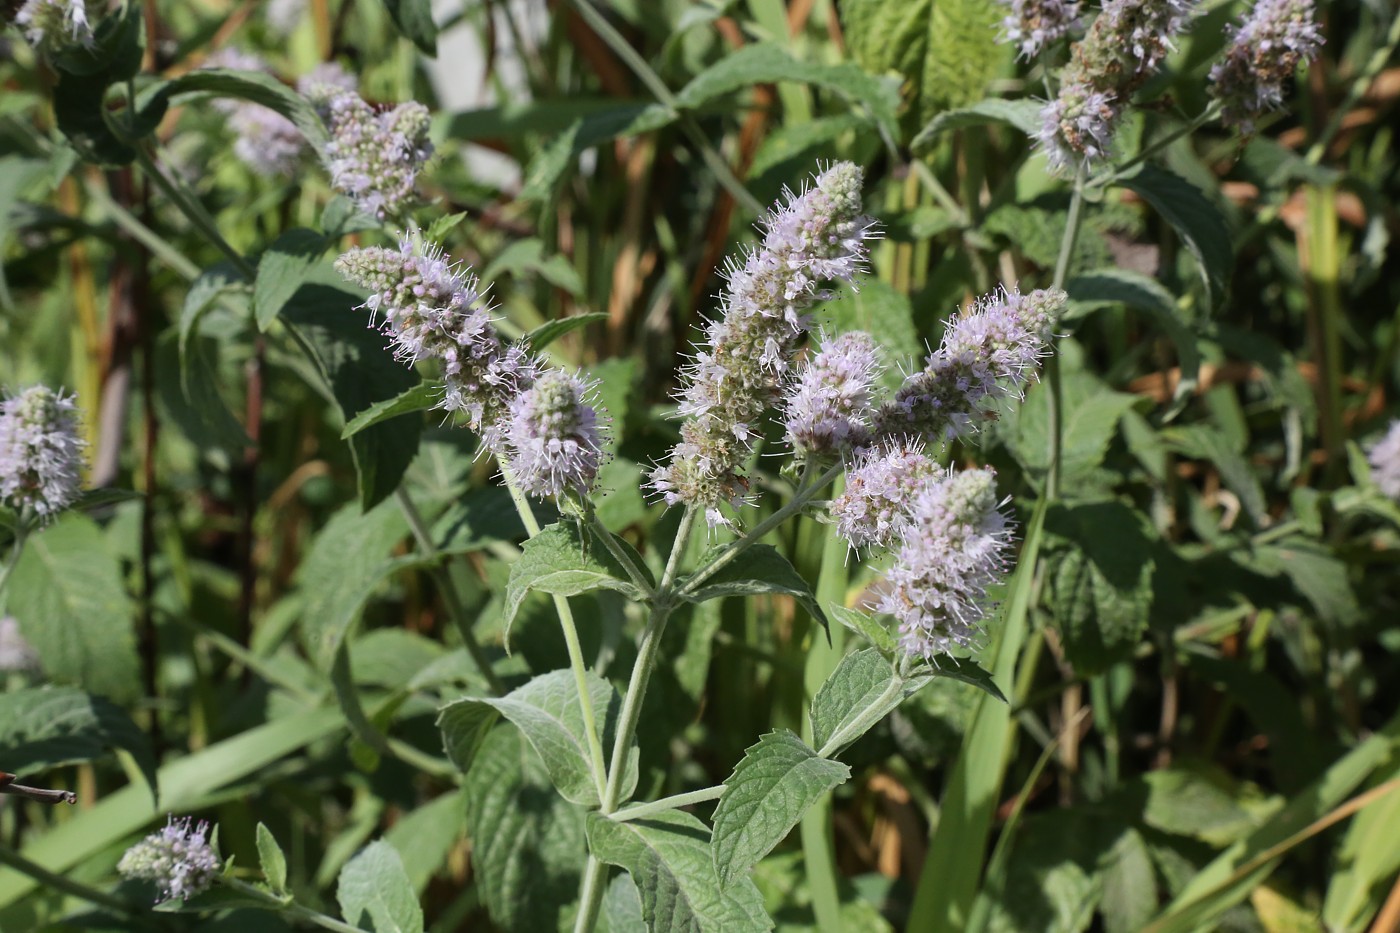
(43, 727)
(761, 569)
(562, 561)
(374, 892)
(1195, 219)
(1023, 114)
(284, 267)
(418, 398)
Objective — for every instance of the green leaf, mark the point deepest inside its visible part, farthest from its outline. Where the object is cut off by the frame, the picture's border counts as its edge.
(761, 569)
(414, 18)
(1129, 885)
(524, 257)
(253, 86)
(1103, 584)
(18, 176)
(1147, 294)
(421, 397)
(426, 837)
(1091, 415)
(668, 856)
(527, 841)
(375, 894)
(767, 63)
(621, 910)
(868, 628)
(284, 268)
(883, 312)
(357, 372)
(1318, 574)
(1023, 114)
(188, 392)
(221, 280)
(561, 561)
(548, 713)
(67, 594)
(1208, 442)
(550, 331)
(43, 727)
(347, 562)
(79, 100)
(343, 216)
(770, 789)
(273, 862)
(1194, 218)
(963, 670)
(862, 690)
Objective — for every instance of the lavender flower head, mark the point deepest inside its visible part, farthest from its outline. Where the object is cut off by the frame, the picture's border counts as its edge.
(989, 352)
(1265, 49)
(1384, 457)
(264, 140)
(880, 487)
(374, 156)
(433, 309)
(16, 654)
(953, 549)
(179, 859)
(324, 83)
(817, 237)
(553, 438)
(54, 25)
(1034, 24)
(829, 407)
(1126, 44)
(41, 454)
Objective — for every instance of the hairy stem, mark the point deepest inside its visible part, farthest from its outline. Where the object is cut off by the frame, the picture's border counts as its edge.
(67, 885)
(289, 908)
(674, 802)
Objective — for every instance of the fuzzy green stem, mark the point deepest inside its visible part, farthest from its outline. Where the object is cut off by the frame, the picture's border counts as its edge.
(450, 594)
(674, 802)
(288, 907)
(634, 573)
(67, 885)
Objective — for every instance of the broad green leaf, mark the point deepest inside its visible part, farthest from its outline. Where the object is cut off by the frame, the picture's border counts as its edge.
(1194, 218)
(548, 713)
(348, 560)
(668, 856)
(186, 784)
(561, 561)
(1091, 415)
(761, 569)
(86, 71)
(547, 333)
(188, 393)
(357, 371)
(374, 892)
(1023, 114)
(621, 910)
(219, 281)
(518, 119)
(253, 86)
(868, 628)
(1366, 861)
(1318, 574)
(770, 789)
(862, 690)
(527, 257)
(1196, 803)
(767, 63)
(1206, 441)
(68, 597)
(284, 268)
(273, 862)
(527, 841)
(1103, 584)
(478, 518)
(1129, 885)
(1147, 294)
(419, 398)
(414, 18)
(963, 670)
(426, 837)
(43, 727)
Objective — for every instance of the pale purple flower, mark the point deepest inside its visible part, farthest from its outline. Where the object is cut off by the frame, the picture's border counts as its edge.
(1077, 125)
(179, 859)
(829, 406)
(1034, 24)
(324, 83)
(1146, 28)
(818, 237)
(54, 25)
(553, 439)
(16, 653)
(1384, 457)
(374, 156)
(988, 352)
(433, 309)
(954, 547)
(880, 488)
(1265, 49)
(41, 452)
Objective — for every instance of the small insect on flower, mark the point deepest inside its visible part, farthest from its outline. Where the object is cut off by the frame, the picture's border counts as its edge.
(179, 859)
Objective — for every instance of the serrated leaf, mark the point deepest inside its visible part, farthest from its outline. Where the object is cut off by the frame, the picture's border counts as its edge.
(862, 690)
(1318, 574)
(43, 727)
(963, 670)
(253, 86)
(1023, 114)
(527, 841)
(766, 63)
(421, 397)
(621, 911)
(1103, 585)
(562, 561)
(867, 627)
(547, 333)
(375, 894)
(273, 862)
(548, 713)
(761, 569)
(1091, 415)
(348, 560)
(1129, 885)
(414, 18)
(777, 780)
(67, 595)
(1195, 219)
(284, 268)
(668, 856)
